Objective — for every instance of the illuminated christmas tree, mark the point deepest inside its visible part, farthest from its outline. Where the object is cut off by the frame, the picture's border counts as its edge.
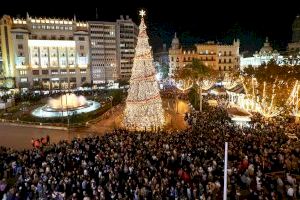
(143, 104)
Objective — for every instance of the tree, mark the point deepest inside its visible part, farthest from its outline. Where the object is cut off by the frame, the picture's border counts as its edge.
(143, 104)
(201, 75)
(270, 84)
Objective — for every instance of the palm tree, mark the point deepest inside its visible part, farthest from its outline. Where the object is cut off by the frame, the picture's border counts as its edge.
(201, 76)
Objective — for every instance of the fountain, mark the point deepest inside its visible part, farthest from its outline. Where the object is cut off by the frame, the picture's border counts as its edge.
(67, 104)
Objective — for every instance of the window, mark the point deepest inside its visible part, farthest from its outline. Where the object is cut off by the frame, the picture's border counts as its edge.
(81, 47)
(83, 71)
(230, 53)
(220, 61)
(35, 72)
(44, 37)
(45, 72)
(23, 72)
(55, 71)
(19, 37)
(71, 38)
(20, 46)
(53, 37)
(224, 53)
(62, 37)
(72, 71)
(63, 71)
(220, 68)
(224, 68)
(81, 39)
(229, 60)
(224, 60)
(83, 79)
(23, 80)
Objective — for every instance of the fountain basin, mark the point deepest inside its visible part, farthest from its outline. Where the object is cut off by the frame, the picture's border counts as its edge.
(65, 105)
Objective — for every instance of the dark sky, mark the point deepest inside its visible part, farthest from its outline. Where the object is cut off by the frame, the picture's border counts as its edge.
(193, 20)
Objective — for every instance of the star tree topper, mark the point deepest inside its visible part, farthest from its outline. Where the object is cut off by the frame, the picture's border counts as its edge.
(142, 13)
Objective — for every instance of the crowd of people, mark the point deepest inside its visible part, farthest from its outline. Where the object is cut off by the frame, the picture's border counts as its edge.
(262, 164)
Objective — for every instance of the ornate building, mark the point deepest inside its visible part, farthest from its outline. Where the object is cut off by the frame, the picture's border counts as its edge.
(294, 46)
(265, 54)
(45, 53)
(215, 55)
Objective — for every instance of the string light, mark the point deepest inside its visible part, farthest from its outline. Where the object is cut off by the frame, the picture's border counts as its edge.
(143, 104)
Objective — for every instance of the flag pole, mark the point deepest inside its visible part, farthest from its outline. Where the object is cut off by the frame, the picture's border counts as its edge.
(225, 171)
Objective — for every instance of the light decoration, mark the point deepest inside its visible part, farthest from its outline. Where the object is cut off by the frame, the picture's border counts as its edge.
(184, 85)
(143, 110)
(229, 82)
(206, 83)
(293, 99)
(252, 102)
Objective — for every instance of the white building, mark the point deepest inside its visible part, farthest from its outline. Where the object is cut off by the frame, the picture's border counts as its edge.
(45, 53)
(265, 54)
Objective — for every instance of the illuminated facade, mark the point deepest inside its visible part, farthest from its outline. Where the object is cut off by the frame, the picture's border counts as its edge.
(217, 56)
(127, 40)
(265, 54)
(103, 44)
(45, 53)
(112, 49)
(294, 46)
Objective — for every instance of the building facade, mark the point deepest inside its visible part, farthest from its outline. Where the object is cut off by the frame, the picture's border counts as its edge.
(217, 56)
(112, 49)
(45, 53)
(265, 54)
(128, 33)
(294, 46)
(103, 44)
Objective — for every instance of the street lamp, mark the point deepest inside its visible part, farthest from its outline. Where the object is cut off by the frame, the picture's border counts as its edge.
(111, 101)
(176, 98)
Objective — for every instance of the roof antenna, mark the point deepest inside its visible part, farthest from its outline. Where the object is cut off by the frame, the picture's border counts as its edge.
(96, 13)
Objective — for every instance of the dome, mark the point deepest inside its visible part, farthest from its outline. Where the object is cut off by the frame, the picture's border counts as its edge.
(266, 48)
(175, 42)
(296, 23)
(296, 29)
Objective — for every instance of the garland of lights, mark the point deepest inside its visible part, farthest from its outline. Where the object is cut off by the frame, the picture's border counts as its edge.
(143, 109)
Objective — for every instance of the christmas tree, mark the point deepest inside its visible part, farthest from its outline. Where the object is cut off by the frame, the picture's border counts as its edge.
(143, 104)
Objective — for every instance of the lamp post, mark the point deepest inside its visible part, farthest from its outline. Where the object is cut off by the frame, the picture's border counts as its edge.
(67, 110)
(176, 103)
(111, 101)
(200, 98)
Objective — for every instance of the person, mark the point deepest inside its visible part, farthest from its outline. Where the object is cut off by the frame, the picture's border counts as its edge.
(32, 142)
(37, 143)
(44, 141)
(48, 139)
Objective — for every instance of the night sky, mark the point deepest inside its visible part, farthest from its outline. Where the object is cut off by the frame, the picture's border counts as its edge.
(193, 20)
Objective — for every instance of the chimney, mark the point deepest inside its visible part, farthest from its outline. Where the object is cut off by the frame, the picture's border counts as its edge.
(164, 47)
(121, 17)
(127, 17)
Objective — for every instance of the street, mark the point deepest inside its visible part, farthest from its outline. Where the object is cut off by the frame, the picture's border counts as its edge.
(20, 137)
